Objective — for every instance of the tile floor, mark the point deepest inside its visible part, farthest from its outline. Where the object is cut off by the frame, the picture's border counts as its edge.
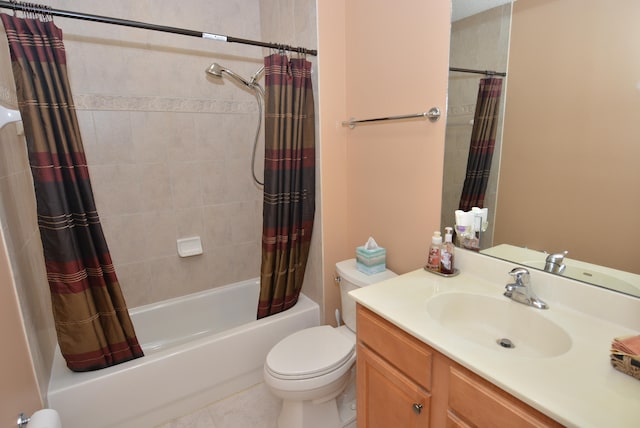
(255, 407)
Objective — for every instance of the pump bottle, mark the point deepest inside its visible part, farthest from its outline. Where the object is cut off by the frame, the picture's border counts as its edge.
(447, 255)
(433, 262)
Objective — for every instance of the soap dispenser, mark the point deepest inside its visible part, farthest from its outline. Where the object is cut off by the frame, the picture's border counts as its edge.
(433, 262)
(447, 255)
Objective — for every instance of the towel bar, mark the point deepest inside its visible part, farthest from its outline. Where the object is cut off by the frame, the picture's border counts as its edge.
(433, 115)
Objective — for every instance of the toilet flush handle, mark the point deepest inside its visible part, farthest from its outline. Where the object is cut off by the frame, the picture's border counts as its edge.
(23, 420)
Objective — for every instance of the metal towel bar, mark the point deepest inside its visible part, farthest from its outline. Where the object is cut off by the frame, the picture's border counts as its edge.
(433, 115)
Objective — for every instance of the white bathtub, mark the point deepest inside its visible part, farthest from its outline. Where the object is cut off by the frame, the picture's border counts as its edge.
(198, 349)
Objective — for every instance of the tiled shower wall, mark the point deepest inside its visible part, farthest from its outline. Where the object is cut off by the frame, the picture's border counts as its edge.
(168, 148)
(163, 175)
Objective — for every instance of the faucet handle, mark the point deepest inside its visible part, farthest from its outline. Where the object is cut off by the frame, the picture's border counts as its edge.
(553, 262)
(521, 275)
(557, 257)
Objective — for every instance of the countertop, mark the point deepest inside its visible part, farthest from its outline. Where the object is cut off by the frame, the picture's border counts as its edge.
(577, 388)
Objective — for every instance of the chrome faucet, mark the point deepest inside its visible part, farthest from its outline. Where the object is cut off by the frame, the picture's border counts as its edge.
(521, 290)
(553, 262)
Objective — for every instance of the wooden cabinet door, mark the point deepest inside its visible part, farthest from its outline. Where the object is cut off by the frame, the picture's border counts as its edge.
(386, 397)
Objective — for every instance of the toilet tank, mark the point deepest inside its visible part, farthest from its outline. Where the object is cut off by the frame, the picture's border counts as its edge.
(350, 279)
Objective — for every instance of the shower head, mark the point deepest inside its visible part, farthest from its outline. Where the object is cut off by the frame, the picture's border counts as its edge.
(217, 70)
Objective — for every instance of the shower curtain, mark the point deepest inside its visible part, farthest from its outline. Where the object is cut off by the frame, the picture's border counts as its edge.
(91, 318)
(289, 182)
(483, 140)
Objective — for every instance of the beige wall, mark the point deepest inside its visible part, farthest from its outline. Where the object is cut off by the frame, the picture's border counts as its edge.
(570, 173)
(382, 180)
(394, 169)
(333, 165)
(19, 387)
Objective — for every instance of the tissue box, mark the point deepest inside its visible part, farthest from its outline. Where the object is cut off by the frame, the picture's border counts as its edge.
(371, 262)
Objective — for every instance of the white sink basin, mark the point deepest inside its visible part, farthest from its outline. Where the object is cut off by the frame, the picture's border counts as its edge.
(489, 320)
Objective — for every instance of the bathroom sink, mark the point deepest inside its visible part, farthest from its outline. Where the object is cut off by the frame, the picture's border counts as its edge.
(499, 324)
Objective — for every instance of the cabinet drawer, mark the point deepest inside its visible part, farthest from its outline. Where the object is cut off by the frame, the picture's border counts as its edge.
(485, 405)
(405, 352)
(386, 397)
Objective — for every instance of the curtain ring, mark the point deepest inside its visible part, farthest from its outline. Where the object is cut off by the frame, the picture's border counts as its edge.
(47, 14)
(32, 11)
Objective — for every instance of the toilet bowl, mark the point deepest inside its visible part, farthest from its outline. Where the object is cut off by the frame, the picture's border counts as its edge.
(309, 369)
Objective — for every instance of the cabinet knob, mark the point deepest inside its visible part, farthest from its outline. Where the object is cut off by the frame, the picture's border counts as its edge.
(417, 408)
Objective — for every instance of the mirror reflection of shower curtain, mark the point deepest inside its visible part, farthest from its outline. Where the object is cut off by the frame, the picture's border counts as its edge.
(483, 140)
(289, 181)
(91, 319)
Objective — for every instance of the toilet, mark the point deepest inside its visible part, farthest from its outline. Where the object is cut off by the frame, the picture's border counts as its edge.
(309, 369)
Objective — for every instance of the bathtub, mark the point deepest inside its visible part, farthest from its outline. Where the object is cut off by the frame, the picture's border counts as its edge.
(198, 349)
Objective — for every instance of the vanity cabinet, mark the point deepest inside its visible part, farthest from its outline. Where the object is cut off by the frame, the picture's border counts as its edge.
(402, 382)
(393, 375)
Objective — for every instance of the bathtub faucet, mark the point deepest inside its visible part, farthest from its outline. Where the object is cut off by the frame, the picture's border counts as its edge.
(553, 262)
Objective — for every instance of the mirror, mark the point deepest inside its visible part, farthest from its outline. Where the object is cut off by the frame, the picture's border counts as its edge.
(567, 176)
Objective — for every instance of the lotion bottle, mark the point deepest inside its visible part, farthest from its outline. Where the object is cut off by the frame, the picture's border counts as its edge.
(433, 262)
(447, 255)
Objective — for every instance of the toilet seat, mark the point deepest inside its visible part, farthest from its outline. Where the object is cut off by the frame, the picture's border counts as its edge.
(310, 353)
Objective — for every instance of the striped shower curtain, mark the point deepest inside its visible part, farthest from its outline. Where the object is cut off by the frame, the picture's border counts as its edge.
(289, 182)
(91, 318)
(483, 140)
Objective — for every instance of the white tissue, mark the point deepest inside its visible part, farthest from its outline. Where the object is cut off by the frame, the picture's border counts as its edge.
(371, 244)
(464, 219)
(45, 418)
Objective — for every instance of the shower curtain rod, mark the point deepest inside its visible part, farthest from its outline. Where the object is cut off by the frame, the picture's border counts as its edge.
(46, 10)
(485, 72)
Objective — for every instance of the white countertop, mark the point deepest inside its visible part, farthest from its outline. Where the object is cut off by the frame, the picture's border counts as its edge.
(578, 388)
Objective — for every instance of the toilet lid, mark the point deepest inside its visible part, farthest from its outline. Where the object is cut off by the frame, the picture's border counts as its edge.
(309, 353)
